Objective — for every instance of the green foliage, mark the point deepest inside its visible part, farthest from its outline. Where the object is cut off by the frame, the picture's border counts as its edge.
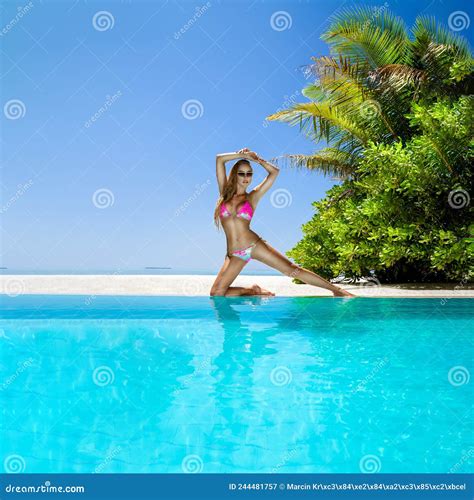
(399, 217)
(366, 87)
(395, 108)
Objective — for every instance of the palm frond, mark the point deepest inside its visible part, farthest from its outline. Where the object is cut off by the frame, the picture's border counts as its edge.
(348, 87)
(427, 30)
(319, 121)
(397, 76)
(328, 161)
(365, 90)
(339, 79)
(365, 34)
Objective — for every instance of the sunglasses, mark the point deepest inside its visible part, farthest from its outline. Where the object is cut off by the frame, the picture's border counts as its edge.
(245, 174)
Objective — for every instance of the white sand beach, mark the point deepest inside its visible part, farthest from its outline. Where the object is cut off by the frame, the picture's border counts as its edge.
(199, 285)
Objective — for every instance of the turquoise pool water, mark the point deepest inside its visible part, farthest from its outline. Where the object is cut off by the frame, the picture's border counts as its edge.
(194, 384)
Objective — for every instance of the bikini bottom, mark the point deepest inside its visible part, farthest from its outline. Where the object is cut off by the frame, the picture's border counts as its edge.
(244, 253)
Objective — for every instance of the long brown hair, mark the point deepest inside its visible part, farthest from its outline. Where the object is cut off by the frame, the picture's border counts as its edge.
(230, 188)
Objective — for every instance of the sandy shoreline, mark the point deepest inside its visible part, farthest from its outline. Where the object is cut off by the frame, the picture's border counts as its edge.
(199, 285)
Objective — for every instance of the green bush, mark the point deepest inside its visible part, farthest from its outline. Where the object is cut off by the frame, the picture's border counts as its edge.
(407, 212)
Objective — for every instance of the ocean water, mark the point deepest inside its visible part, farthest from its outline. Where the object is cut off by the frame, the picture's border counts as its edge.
(196, 384)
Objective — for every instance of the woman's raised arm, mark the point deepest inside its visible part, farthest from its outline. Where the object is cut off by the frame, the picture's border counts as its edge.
(266, 184)
(221, 158)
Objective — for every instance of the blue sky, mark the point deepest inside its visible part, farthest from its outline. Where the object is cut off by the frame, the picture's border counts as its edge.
(111, 122)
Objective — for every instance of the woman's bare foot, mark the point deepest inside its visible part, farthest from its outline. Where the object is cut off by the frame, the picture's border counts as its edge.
(342, 293)
(261, 291)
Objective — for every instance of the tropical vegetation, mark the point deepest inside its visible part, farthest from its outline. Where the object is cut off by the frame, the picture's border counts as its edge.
(395, 109)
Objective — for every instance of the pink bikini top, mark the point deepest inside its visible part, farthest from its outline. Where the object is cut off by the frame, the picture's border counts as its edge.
(245, 211)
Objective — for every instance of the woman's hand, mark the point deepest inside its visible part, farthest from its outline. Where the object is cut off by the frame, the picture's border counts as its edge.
(251, 154)
(245, 152)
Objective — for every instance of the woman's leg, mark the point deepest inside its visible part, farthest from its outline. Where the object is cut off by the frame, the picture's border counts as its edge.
(227, 274)
(268, 255)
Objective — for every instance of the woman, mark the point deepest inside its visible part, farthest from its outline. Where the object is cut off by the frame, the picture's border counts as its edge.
(234, 211)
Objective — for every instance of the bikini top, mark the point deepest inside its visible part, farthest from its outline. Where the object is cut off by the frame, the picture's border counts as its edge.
(245, 211)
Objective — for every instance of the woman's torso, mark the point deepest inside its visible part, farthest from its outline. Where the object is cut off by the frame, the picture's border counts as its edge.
(237, 229)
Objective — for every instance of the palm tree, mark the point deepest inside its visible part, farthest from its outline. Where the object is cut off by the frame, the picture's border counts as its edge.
(365, 88)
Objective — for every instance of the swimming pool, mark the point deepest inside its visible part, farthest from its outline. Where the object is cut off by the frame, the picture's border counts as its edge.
(194, 384)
